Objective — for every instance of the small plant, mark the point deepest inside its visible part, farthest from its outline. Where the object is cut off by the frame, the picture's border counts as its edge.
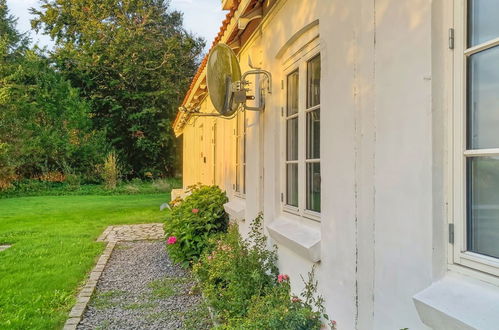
(110, 171)
(168, 287)
(107, 299)
(193, 221)
(53, 176)
(131, 189)
(237, 271)
(161, 185)
(278, 309)
(73, 181)
(136, 182)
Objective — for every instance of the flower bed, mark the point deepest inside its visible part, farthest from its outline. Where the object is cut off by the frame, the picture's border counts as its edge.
(239, 277)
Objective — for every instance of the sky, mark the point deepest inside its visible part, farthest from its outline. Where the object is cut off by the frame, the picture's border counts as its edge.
(202, 17)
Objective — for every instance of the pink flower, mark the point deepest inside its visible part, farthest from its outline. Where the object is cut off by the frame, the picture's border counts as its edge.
(195, 211)
(210, 257)
(282, 277)
(295, 299)
(171, 240)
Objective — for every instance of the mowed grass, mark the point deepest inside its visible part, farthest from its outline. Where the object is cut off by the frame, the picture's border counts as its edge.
(54, 248)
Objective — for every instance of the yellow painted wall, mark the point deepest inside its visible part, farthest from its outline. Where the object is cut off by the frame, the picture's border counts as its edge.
(209, 149)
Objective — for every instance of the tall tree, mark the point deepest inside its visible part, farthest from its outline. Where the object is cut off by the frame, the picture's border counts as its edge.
(11, 41)
(133, 60)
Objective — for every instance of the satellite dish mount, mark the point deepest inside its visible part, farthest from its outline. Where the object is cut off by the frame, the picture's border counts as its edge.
(228, 89)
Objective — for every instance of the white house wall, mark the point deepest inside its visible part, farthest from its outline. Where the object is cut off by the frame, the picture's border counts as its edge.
(382, 152)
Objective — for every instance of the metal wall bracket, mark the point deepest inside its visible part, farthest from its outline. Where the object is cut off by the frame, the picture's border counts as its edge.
(257, 72)
(451, 233)
(451, 38)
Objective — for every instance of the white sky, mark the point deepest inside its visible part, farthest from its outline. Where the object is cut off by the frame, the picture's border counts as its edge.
(202, 17)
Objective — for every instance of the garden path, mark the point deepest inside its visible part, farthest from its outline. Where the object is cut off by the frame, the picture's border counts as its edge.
(139, 287)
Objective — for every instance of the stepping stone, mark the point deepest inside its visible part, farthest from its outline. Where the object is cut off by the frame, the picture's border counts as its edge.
(4, 247)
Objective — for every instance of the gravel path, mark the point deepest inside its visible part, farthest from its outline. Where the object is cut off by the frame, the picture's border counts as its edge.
(141, 288)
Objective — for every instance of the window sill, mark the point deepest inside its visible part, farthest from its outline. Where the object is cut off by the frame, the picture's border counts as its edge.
(459, 302)
(301, 239)
(236, 208)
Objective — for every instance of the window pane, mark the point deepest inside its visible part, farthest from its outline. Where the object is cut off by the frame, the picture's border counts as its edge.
(314, 82)
(292, 184)
(314, 187)
(292, 96)
(314, 134)
(292, 139)
(483, 21)
(483, 100)
(483, 206)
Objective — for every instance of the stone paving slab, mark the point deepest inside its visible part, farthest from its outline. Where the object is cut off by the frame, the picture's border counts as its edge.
(4, 247)
(127, 233)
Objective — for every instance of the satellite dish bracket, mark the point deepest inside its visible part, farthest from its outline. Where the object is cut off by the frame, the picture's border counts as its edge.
(240, 89)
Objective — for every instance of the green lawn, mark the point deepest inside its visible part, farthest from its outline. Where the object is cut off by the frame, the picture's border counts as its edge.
(53, 249)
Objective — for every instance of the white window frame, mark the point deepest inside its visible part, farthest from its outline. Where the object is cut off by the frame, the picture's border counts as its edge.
(458, 250)
(298, 62)
(240, 161)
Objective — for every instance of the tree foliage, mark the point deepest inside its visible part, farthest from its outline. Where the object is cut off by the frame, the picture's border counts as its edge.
(132, 60)
(45, 124)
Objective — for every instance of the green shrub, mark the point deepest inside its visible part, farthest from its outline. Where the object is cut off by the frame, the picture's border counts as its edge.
(131, 189)
(278, 309)
(193, 221)
(73, 181)
(6, 168)
(237, 271)
(161, 185)
(44, 120)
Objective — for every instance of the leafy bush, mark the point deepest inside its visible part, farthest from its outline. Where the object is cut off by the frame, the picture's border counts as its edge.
(44, 120)
(73, 181)
(132, 189)
(237, 271)
(161, 185)
(193, 221)
(278, 309)
(6, 168)
(240, 280)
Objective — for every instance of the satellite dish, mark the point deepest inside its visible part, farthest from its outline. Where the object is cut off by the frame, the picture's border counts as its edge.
(222, 76)
(226, 85)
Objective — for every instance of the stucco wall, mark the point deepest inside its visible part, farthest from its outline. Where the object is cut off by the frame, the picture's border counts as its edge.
(382, 163)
